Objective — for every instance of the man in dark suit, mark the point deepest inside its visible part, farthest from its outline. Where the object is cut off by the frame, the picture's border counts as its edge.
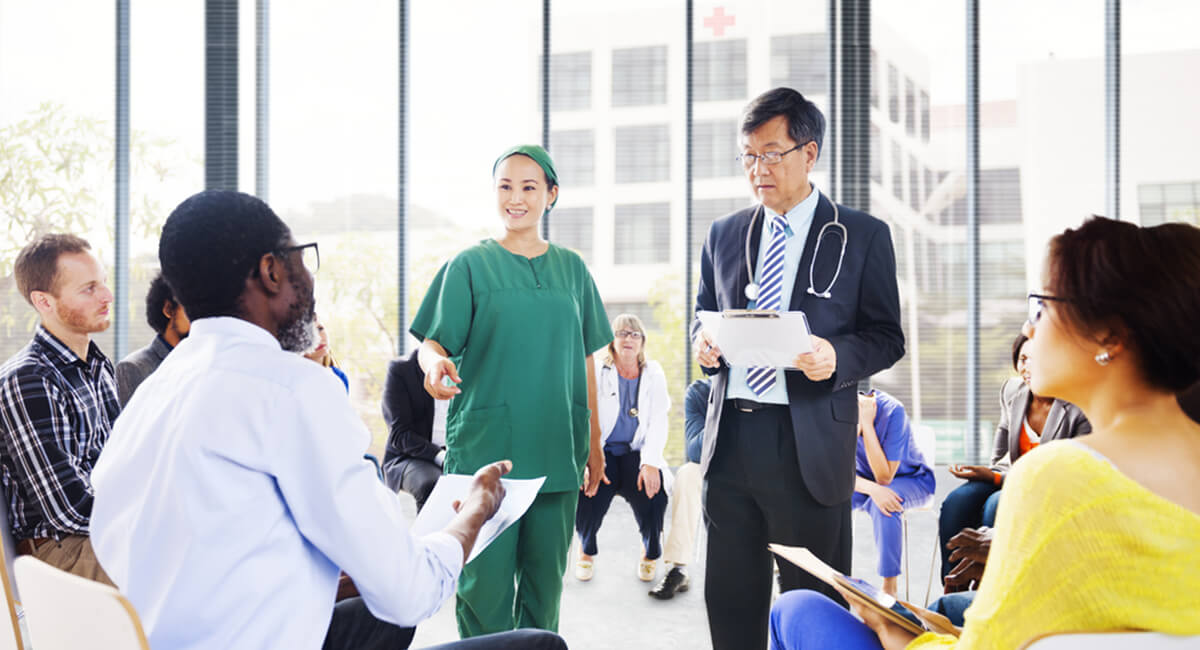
(416, 443)
(778, 455)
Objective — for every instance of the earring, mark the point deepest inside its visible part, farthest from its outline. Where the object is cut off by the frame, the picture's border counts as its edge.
(1103, 358)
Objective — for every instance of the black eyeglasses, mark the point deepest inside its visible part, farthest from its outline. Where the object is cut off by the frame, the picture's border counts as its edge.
(309, 255)
(1037, 305)
(768, 157)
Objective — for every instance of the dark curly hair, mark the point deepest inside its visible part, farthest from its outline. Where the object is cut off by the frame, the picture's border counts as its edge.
(211, 243)
(158, 295)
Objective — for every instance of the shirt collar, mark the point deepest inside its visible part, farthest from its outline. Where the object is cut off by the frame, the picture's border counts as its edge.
(61, 353)
(802, 213)
(231, 327)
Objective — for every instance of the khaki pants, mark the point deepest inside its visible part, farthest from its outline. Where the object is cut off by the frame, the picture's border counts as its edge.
(74, 554)
(685, 515)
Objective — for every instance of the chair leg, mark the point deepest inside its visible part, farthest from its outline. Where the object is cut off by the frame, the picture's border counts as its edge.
(932, 566)
(904, 523)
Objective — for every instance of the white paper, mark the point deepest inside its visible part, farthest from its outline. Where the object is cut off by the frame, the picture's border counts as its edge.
(755, 341)
(439, 507)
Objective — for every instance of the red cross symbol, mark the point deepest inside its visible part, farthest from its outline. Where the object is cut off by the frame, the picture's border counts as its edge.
(719, 21)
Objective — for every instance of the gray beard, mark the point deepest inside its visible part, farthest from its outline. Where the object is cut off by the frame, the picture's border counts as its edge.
(298, 335)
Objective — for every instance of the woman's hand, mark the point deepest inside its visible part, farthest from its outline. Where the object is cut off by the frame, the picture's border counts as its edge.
(649, 480)
(593, 473)
(973, 473)
(433, 379)
(890, 634)
(886, 499)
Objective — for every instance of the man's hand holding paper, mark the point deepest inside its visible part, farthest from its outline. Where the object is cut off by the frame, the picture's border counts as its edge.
(819, 364)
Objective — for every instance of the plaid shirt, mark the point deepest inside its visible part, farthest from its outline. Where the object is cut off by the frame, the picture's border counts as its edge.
(56, 412)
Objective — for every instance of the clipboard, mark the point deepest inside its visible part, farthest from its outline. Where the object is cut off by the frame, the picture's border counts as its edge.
(866, 594)
(758, 337)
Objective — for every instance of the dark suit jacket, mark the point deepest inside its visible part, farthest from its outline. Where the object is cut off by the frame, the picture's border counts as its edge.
(133, 369)
(408, 412)
(1064, 420)
(861, 320)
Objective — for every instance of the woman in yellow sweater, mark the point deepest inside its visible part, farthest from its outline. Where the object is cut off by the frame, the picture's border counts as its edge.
(1094, 534)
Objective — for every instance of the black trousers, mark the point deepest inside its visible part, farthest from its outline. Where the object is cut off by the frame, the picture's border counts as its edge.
(354, 628)
(416, 476)
(622, 472)
(754, 495)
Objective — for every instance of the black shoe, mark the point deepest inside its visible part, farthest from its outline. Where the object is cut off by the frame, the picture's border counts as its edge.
(675, 581)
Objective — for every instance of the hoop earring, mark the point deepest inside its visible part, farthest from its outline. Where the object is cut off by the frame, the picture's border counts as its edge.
(1103, 358)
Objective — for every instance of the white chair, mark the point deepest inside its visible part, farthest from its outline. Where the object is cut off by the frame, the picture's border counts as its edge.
(1113, 641)
(925, 438)
(67, 612)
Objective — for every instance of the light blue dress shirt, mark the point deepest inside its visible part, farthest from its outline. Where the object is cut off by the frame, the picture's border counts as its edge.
(799, 220)
(234, 488)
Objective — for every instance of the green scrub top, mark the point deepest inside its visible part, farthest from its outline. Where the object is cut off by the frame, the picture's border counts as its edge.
(519, 330)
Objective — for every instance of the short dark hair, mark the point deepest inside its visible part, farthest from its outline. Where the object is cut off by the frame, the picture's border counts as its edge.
(211, 243)
(805, 121)
(1141, 283)
(1016, 351)
(36, 268)
(159, 294)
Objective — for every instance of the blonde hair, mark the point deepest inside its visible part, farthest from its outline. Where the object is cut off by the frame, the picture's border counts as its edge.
(629, 322)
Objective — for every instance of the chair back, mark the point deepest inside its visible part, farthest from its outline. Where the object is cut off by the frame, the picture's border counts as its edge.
(67, 612)
(1113, 641)
(925, 438)
(10, 628)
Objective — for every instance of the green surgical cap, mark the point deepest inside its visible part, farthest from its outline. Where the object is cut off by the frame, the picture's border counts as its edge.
(539, 156)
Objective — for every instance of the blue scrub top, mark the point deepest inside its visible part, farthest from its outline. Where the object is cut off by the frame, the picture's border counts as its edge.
(618, 443)
(895, 437)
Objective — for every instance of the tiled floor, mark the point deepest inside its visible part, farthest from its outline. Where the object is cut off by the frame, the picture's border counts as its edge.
(613, 611)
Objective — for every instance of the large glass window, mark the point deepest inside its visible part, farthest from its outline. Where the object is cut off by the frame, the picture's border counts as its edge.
(720, 70)
(56, 143)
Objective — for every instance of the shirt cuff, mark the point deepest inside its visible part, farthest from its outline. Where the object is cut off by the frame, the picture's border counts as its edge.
(448, 551)
(440, 458)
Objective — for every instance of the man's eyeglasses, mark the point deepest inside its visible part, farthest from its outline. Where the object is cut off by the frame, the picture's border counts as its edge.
(309, 255)
(1037, 305)
(768, 157)
(628, 334)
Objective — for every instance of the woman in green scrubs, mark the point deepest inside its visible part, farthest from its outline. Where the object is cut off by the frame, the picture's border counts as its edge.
(512, 322)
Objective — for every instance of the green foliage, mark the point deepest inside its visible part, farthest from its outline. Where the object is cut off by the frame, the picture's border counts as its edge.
(666, 345)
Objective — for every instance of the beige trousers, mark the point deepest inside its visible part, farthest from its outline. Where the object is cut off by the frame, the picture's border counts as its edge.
(74, 554)
(685, 515)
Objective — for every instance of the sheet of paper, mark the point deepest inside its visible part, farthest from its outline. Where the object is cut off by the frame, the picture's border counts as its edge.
(439, 507)
(749, 339)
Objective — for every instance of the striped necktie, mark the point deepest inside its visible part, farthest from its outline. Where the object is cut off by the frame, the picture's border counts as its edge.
(770, 294)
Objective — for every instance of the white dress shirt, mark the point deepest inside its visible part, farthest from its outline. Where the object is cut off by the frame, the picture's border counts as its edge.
(233, 488)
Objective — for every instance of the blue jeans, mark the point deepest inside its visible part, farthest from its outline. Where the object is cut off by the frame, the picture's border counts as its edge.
(970, 505)
(803, 619)
(954, 606)
(914, 491)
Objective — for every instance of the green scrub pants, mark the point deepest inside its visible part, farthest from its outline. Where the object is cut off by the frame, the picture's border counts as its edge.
(517, 581)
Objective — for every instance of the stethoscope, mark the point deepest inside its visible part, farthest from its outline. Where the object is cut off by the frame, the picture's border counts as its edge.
(752, 288)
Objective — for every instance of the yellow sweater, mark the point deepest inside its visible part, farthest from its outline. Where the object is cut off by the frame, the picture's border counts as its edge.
(1080, 547)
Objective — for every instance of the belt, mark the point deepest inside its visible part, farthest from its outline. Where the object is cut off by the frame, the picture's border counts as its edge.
(30, 546)
(750, 406)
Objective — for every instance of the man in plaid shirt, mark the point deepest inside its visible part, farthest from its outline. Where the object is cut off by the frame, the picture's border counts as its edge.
(58, 400)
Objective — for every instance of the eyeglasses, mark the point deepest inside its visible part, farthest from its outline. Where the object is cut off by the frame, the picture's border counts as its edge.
(1037, 305)
(768, 157)
(629, 334)
(309, 255)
